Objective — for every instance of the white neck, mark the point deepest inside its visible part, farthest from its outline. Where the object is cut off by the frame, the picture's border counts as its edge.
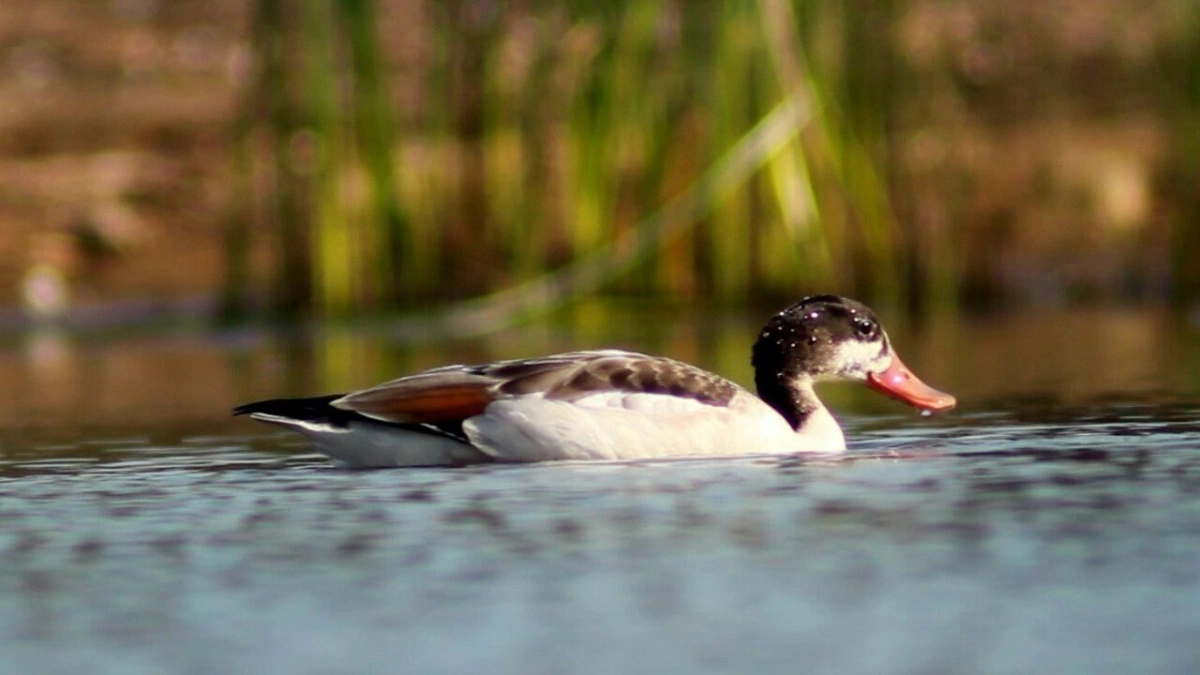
(820, 432)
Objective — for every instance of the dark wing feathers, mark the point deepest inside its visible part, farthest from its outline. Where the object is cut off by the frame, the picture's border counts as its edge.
(318, 409)
(451, 394)
(569, 377)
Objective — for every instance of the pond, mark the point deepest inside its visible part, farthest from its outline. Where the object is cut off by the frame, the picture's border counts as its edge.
(1051, 524)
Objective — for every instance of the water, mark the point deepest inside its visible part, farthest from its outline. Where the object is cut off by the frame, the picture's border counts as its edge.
(1050, 526)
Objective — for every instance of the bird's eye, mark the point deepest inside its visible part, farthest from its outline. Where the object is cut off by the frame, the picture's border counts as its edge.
(866, 329)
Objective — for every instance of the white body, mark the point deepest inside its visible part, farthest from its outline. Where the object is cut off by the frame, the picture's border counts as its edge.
(603, 426)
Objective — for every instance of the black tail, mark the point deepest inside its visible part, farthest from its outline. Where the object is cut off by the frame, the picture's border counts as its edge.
(318, 411)
(315, 409)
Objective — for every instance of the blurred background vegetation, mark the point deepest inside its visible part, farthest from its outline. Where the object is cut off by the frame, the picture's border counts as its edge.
(343, 157)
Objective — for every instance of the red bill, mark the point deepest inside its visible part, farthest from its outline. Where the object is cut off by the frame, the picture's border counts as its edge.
(898, 382)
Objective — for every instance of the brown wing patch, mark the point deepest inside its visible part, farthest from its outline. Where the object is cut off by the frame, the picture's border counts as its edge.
(680, 379)
(455, 393)
(421, 399)
(646, 375)
(532, 377)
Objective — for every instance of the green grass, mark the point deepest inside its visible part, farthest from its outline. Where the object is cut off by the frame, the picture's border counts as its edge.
(548, 150)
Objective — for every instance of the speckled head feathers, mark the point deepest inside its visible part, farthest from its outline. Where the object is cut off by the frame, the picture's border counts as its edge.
(822, 336)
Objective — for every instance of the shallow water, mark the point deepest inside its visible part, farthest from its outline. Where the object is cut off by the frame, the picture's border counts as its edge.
(1051, 525)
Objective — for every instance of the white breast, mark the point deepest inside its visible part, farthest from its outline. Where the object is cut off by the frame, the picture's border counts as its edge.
(616, 425)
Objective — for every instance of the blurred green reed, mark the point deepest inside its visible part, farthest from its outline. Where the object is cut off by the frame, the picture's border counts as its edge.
(542, 132)
(267, 185)
(1183, 79)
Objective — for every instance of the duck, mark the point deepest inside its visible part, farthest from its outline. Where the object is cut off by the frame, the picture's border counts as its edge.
(613, 404)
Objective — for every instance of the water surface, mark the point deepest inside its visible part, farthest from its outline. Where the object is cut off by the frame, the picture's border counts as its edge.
(1051, 525)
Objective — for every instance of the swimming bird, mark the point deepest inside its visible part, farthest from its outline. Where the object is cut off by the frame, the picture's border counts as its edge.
(614, 404)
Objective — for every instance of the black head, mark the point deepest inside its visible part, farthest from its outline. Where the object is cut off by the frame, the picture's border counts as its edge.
(821, 337)
(827, 337)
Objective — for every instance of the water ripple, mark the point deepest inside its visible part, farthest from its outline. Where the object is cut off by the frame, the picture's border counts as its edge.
(992, 542)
